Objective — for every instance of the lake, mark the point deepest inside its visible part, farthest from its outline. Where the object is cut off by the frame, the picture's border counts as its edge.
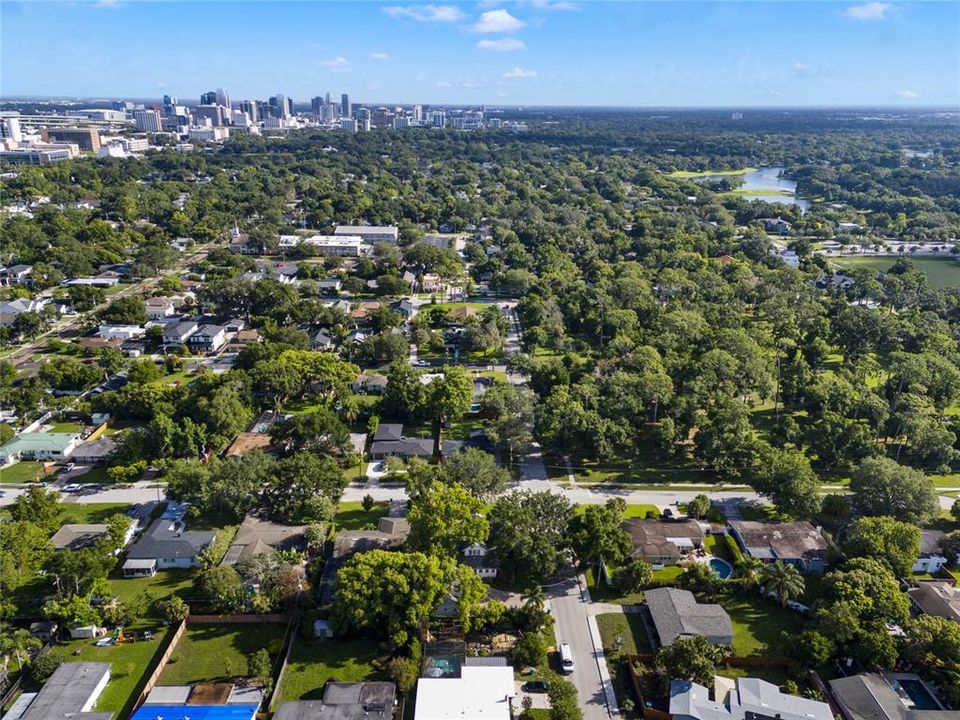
(765, 184)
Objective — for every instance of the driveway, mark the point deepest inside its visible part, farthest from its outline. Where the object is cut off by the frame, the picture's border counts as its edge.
(569, 609)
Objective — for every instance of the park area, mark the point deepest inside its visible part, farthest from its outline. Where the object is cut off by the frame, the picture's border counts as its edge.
(941, 272)
(220, 652)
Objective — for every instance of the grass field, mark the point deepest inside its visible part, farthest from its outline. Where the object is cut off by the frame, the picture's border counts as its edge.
(208, 653)
(941, 272)
(351, 515)
(22, 472)
(95, 476)
(67, 427)
(161, 586)
(707, 173)
(313, 663)
(129, 665)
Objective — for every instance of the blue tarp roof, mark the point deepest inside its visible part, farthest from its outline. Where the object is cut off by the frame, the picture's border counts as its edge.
(195, 712)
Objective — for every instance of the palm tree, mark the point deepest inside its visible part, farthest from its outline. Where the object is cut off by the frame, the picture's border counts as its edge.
(783, 580)
(750, 572)
(18, 643)
(534, 597)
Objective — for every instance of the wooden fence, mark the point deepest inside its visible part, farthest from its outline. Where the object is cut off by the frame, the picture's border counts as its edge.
(171, 644)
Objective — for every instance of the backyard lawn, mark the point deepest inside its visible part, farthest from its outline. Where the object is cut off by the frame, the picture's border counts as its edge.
(67, 427)
(210, 653)
(130, 664)
(352, 516)
(758, 625)
(312, 663)
(94, 476)
(22, 472)
(160, 587)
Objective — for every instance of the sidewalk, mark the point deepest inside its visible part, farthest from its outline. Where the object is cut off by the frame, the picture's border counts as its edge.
(612, 707)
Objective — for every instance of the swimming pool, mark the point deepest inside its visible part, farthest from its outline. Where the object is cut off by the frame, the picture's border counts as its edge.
(721, 567)
(917, 692)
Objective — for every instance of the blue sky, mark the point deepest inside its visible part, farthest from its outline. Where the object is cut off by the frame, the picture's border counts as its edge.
(534, 52)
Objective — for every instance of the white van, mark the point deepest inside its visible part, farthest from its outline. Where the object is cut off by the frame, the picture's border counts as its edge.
(566, 659)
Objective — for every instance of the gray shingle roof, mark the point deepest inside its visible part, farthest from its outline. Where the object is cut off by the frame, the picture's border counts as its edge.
(676, 612)
(167, 539)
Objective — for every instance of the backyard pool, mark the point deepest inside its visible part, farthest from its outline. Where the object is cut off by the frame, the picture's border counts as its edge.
(917, 692)
(721, 567)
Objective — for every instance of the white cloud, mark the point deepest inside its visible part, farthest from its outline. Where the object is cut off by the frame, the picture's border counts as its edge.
(425, 13)
(547, 5)
(379, 56)
(443, 84)
(497, 21)
(338, 61)
(520, 73)
(908, 94)
(502, 45)
(868, 11)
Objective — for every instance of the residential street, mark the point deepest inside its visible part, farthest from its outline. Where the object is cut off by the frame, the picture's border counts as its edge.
(570, 614)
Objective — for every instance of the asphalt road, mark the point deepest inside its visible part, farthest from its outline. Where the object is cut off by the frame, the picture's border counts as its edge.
(569, 611)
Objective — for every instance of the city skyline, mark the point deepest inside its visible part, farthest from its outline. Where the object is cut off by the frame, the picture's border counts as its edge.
(536, 53)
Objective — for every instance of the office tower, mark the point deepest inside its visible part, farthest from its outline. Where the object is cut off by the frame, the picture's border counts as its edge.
(251, 108)
(438, 118)
(208, 98)
(345, 105)
(223, 98)
(213, 113)
(280, 106)
(86, 138)
(381, 117)
(11, 129)
(348, 124)
(290, 111)
(400, 122)
(317, 105)
(328, 99)
(169, 103)
(417, 113)
(147, 120)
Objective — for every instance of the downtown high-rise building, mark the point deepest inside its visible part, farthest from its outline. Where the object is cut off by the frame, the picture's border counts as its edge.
(345, 106)
(251, 108)
(147, 120)
(209, 98)
(223, 98)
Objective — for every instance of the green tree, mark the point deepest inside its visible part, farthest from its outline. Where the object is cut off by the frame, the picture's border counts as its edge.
(934, 643)
(528, 532)
(45, 665)
(885, 539)
(405, 672)
(477, 472)
(320, 432)
(118, 525)
(691, 657)
(38, 506)
(882, 486)
(596, 535)
(73, 611)
(24, 549)
(388, 594)
(699, 506)
(530, 650)
(444, 517)
(633, 576)
(304, 488)
(18, 643)
(221, 589)
(260, 667)
(173, 609)
(786, 478)
(563, 700)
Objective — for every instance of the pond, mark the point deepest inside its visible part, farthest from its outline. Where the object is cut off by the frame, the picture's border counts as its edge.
(769, 185)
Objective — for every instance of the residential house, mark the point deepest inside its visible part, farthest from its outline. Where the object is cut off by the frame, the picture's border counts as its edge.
(741, 699)
(676, 613)
(257, 535)
(871, 696)
(389, 441)
(39, 446)
(17, 275)
(404, 306)
(95, 452)
(241, 243)
(796, 543)
(177, 332)
(941, 599)
(363, 309)
(344, 701)
(208, 339)
(431, 282)
(71, 692)
(102, 281)
(286, 243)
(10, 311)
(356, 336)
(76, 536)
(160, 308)
(369, 383)
(475, 693)
(323, 341)
(483, 562)
(121, 332)
(329, 286)
(663, 542)
(931, 557)
(776, 225)
(166, 544)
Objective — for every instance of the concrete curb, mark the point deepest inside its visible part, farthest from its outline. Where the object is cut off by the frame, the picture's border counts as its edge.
(613, 709)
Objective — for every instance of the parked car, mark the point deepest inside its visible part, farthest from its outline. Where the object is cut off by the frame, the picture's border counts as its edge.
(71, 488)
(535, 686)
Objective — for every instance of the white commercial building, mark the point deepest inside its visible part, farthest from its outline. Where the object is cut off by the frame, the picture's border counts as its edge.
(370, 233)
(480, 693)
(336, 245)
(208, 134)
(120, 332)
(147, 120)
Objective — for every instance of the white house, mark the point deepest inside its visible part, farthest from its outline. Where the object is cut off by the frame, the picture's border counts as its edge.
(286, 243)
(931, 557)
(120, 332)
(480, 693)
(160, 308)
(9, 311)
(209, 338)
(478, 557)
(176, 333)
